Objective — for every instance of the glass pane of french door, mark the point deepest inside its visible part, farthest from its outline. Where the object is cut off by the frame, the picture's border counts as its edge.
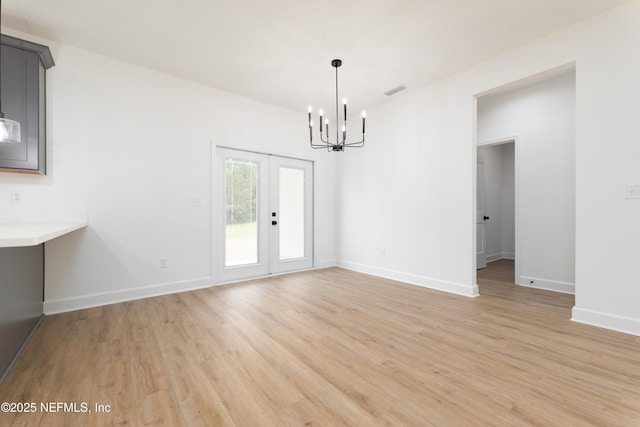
(291, 240)
(241, 216)
(241, 237)
(292, 213)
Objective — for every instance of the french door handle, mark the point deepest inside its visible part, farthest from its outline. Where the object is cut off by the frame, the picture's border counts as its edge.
(274, 222)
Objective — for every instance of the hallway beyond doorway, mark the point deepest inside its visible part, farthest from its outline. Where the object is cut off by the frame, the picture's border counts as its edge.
(498, 280)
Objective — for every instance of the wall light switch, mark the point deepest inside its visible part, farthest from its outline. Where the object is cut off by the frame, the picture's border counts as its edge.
(16, 197)
(632, 192)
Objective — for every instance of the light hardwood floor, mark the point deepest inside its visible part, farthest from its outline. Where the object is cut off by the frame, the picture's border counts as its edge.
(331, 347)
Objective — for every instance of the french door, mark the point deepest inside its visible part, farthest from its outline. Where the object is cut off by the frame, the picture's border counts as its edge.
(264, 222)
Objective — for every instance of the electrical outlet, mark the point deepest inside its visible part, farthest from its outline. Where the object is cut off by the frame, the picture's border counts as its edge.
(196, 202)
(632, 192)
(164, 263)
(16, 197)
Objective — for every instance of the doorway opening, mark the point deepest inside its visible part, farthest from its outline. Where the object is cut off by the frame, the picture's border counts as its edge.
(540, 112)
(496, 204)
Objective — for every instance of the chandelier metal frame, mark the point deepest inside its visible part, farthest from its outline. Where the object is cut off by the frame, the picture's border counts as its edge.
(340, 144)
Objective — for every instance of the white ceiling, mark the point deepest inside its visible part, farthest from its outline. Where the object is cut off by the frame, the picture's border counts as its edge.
(279, 51)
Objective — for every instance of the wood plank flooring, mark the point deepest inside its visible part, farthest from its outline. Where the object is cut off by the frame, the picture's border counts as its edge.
(330, 347)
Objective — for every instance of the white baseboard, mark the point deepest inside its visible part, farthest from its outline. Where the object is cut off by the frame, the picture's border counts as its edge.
(326, 263)
(493, 257)
(501, 255)
(105, 298)
(548, 285)
(614, 322)
(413, 279)
(329, 264)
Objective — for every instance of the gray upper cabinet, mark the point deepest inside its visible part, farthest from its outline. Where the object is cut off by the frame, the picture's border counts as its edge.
(23, 99)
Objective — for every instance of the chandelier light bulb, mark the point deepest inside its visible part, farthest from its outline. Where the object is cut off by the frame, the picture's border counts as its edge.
(4, 134)
(9, 131)
(364, 114)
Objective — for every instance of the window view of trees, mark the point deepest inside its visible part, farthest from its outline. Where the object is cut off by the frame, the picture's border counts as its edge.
(241, 208)
(241, 197)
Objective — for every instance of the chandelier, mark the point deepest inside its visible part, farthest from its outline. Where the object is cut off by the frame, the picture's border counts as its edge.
(341, 140)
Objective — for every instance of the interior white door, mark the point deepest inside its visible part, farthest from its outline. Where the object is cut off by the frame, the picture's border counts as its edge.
(481, 244)
(291, 237)
(264, 219)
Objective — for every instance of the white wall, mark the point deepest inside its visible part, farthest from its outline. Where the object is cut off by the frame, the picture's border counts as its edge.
(406, 202)
(499, 200)
(131, 146)
(405, 198)
(412, 190)
(542, 115)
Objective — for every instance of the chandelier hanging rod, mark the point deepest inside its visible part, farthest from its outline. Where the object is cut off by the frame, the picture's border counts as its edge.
(339, 145)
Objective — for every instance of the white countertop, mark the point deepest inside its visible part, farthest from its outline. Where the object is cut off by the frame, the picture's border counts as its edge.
(32, 230)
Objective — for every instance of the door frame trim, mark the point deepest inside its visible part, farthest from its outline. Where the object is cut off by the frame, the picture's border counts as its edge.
(263, 153)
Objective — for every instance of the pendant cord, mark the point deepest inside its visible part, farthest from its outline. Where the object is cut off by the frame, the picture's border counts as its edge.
(337, 111)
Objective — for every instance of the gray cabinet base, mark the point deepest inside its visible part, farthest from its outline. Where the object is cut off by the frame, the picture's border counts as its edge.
(21, 300)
